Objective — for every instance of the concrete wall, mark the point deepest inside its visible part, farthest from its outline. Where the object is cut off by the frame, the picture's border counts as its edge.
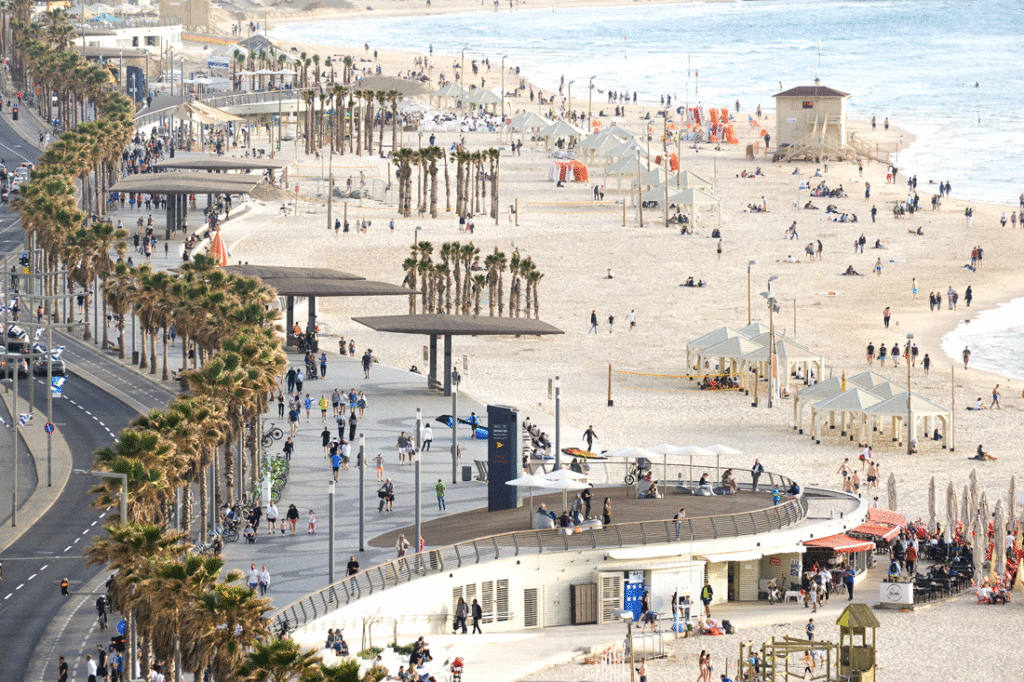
(794, 123)
(155, 39)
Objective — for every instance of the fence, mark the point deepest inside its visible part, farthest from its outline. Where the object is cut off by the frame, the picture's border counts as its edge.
(531, 542)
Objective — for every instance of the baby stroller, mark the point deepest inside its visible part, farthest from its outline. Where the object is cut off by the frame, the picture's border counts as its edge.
(456, 669)
(773, 592)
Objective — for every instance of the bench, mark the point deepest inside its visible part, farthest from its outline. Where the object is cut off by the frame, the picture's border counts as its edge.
(481, 467)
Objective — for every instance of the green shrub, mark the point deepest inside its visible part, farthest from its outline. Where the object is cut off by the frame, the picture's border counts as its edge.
(369, 653)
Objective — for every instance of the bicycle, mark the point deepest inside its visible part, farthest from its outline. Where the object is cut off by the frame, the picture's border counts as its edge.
(270, 435)
(635, 471)
(228, 532)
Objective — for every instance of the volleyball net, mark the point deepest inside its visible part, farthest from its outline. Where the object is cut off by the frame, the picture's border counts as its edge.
(642, 381)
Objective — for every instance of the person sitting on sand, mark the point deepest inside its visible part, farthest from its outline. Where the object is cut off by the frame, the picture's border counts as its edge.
(982, 455)
(689, 282)
(978, 405)
(878, 244)
(790, 259)
(851, 271)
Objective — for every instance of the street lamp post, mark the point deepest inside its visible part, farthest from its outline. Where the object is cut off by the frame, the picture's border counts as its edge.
(558, 423)
(362, 497)
(771, 346)
(590, 106)
(419, 426)
(330, 533)
(568, 110)
(910, 413)
(455, 428)
(750, 319)
(502, 93)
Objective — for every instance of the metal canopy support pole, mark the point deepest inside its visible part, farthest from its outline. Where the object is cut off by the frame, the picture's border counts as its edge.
(558, 423)
(289, 319)
(311, 315)
(419, 427)
(330, 535)
(362, 497)
(448, 364)
(432, 377)
(455, 429)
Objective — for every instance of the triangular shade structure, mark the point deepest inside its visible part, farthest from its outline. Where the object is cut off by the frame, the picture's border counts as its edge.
(451, 90)
(484, 97)
(867, 380)
(885, 390)
(625, 166)
(785, 349)
(735, 348)
(620, 132)
(628, 148)
(897, 406)
(561, 129)
(529, 121)
(851, 400)
(755, 329)
(822, 390)
(689, 179)
(713, 338)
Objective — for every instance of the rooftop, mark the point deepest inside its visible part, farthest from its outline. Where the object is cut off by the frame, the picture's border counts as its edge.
(458, 325)
(222, 163)
(812, 91)
(187, 183)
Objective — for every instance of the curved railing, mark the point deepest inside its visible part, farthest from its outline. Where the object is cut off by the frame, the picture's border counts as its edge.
(384, 576)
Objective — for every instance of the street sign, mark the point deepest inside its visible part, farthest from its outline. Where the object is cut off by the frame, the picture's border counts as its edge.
(48, 427)
(57, 386)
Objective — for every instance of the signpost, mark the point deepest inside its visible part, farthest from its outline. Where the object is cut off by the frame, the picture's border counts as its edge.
(503, 462)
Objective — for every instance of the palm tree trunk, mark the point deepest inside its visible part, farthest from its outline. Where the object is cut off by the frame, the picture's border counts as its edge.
(152, 351)
(103, 316)
(229, 472)
(165, 376)
(447, 188)
(87, 334)
(120, 338)
(204, 505)
(143, 359)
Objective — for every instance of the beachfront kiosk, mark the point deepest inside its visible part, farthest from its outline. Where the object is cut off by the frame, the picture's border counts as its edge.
(810, 121)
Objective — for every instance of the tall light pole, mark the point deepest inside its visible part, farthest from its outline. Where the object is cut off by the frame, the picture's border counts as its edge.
(558, 423)
(362, 496)
(502, 93)
(330, 533)
(750, 318)
(455, 428)
(590, 106)
(771, 345)
(910, 413)
(569, 109)
(419, 534)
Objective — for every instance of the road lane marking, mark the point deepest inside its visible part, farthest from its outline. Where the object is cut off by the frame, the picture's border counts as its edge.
(67, 548)
(32, 576)
(45, 566)
(19, 587)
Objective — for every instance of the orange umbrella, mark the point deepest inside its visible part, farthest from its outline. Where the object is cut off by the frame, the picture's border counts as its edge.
(218, 251)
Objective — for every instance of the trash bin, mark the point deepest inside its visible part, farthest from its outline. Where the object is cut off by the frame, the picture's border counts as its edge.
(135, 357)
(467, 473)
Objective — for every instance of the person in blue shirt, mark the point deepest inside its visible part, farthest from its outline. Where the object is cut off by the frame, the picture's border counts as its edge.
(848, 577)
(335, 464)
(776, 497)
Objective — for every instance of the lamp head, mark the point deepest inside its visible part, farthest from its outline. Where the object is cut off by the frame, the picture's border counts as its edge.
(773, 278)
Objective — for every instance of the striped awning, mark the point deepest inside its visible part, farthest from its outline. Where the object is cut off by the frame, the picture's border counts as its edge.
(842, 543)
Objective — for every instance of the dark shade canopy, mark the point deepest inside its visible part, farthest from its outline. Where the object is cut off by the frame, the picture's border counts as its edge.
(187, 183)
(812, 91)
(271, 272)
(93, 52)
(222, 163)
(457, 325)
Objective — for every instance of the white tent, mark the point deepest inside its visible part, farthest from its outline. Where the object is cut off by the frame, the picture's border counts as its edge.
(693, 197)
(789, 354)
(688, 179)
(734, 349)
(621, 133)
(452, 91)
(626, 167)
(628, 148)
(819, 391)
(920, 408)
(529, 121)
(712, 338)
(598, 143)
(851, 405)
(484, 98)
(558, 130)
(755, 329)
(658, 176)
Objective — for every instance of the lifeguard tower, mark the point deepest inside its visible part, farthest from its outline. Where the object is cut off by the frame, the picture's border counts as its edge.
(810, 123)
(857, 660)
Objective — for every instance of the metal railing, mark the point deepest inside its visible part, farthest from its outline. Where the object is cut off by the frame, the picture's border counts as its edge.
(384, 576)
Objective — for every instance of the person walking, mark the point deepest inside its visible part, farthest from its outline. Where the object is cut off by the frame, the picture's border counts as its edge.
(271, 518)
(352, 423)
(367, 362)
(461, 611)
(995, 398)
(65, 588)
(379, 463)
(440, 490)
(90, 668)
(293, 519)
(809, 629)
(264, 581)
(428, 437)
(280, 405)
(707, 593)
(478, 615)
(335, 464)
(101, 610)
(401, 547)
(62, 670)
(755, 474)
(308, 404)
(336, 401)
(593, 322)
(352, 567)
(323, 408)
(253, 578)
(849, 575)
(886, 314)
(632, 320)
(966, 356)
(606, 512)
(387, 496)
(680, 515)
(589, 437)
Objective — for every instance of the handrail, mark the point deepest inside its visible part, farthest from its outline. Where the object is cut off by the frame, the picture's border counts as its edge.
(531, 542)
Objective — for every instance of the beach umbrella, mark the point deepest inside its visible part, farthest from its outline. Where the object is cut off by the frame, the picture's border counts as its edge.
(974, 488)
(931, 506)
(562, 475)
(565, 485)
(1018, 543)
(965, 508)
(666, 449)
(891, 485)
(950, 511)
(999, 540)
(977, 548)
(983, 513)
(529, 481)
(629, 452)
(724, 450)
(1011, 503)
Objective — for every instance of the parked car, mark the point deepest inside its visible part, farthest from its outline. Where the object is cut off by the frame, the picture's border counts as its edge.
(39, 368)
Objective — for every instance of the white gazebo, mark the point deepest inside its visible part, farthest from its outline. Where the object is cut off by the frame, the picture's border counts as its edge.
(484, 98)
(819, 391)
(558, 130)
(851, 406)
(789, 354)
(921, 409)
(626, 167)
(710, 339)
(735, 350)
(452, 91)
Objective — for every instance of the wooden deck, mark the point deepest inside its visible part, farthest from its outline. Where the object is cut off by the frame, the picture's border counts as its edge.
(461, 526)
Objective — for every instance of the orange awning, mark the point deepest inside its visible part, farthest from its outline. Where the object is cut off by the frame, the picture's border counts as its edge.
(879, 531)
(842, 543)
(884, 516)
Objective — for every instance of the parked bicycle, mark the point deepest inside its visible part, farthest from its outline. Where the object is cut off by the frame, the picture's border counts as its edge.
(636, 470)
(270, 435)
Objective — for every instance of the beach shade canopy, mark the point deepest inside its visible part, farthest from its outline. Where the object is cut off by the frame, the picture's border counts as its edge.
(931, 506)
(626, 166)
(755, 329)
(484, 97)
(977, 547)
(821, 390)
(688, 179)
(567, 484)
(659, 193)
(867, 380)
(787, 350)
(886, 517)
(562, 475)
(451, 90)
(598, 142)
(723, 450)
(841, 543)
(529, 481)
(713, 338)
(693, 196)
(628, 148)
(629, 452)
(735, 348)
(284, 72)
(667, 449)
(561, 129)
(658, 176)
(620, 133)
(1011, 501)
(529, 121)
(697, 451)
(886, 390)
(891, 485)
(413, 107)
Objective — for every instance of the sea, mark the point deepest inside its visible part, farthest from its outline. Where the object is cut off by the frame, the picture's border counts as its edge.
(948, 71)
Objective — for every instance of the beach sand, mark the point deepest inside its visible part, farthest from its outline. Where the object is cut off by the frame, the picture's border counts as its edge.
(574, 241)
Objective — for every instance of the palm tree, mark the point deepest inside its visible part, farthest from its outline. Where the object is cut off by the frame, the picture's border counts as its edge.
(514, 269)
(469, 255)
(382, 98)
(225, 623)
(534, 278)
(142, 456)
(478, 287)
(394, 96)
(501, 264)
(494, 155)
(432, 155)
(279, 660)
(410, 266)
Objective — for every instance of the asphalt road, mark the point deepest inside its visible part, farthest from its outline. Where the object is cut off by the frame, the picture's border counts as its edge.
(88, 417)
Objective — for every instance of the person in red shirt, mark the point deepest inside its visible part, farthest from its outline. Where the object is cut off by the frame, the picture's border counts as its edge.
(910, 558)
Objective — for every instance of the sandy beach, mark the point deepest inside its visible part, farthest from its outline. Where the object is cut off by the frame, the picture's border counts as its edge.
(575, 241)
